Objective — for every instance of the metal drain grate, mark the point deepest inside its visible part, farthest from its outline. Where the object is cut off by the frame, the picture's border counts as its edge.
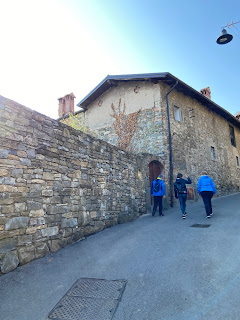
(78, 308)
(89, 299)
(97, 288)
(196, 225)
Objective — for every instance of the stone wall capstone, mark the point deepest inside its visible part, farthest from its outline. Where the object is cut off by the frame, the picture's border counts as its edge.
(58, 185)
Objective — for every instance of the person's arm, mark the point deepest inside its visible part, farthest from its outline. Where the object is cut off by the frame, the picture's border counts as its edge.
(175, 191)
(199, 186)
(188, 181)
(213, 186)
(163, 189)
(152, 188)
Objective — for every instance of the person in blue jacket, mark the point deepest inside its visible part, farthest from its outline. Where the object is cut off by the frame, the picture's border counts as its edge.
(180, 191)
(158, 184)
(206, 189)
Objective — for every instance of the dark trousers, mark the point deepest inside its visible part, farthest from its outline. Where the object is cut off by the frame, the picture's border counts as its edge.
(157, 202)
(207, 197)
(182, 199)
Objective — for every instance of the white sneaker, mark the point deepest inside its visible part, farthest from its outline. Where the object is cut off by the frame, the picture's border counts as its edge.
(211, 214)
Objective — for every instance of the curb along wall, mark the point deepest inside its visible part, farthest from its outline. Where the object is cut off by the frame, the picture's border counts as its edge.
(58, 185)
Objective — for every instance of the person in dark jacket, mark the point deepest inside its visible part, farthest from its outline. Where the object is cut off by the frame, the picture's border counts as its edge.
(181, 192)
(158, 195)
(206, 189)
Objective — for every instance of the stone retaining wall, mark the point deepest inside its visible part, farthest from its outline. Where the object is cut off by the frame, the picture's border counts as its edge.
(58, 185)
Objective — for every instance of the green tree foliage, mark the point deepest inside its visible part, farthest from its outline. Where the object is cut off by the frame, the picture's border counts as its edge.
(77, 122)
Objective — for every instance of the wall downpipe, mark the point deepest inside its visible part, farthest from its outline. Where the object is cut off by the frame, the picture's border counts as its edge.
(170, 148)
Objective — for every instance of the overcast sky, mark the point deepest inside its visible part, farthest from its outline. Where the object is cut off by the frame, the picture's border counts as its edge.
(50, 48)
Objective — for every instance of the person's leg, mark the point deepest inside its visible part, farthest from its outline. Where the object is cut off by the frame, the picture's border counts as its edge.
(205, 198)
(180, 197)
(210, 202)
(154, 205)
(209, 195)
(184, 197)
(160, 206)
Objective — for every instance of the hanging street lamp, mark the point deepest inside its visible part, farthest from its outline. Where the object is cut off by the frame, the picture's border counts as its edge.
(225, 37)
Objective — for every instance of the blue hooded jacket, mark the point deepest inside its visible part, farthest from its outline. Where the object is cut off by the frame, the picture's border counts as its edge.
(205, 183)
(161, 192)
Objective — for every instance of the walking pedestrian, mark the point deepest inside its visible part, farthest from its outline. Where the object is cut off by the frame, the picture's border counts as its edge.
(180, 190)
(206, 189)
(158, 192)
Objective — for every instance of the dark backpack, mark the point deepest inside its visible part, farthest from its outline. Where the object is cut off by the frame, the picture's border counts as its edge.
(157, 186)
(179, 187)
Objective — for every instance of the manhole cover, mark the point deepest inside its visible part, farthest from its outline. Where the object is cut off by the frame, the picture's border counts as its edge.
(97, 288)
(197, 225)
(89, 299)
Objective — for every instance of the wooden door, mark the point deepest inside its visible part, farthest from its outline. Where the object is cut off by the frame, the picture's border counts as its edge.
(155, 169)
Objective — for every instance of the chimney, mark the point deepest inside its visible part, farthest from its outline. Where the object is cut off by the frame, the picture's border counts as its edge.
(66, 105)
(206, 92)
(237, 115)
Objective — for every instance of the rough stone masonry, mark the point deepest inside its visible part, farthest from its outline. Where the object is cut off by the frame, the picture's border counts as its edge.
(58, 185)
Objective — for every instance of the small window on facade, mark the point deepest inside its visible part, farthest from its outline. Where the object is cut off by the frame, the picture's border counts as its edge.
(237, 161)
(213, 154)
(177, 113)
(232, 136)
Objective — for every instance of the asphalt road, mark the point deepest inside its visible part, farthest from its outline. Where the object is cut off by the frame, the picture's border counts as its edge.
(173, 271)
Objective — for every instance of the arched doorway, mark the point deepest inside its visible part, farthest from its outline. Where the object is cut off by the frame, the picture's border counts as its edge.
(155, 168)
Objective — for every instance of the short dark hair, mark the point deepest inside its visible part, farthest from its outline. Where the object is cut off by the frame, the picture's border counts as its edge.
(179, 175)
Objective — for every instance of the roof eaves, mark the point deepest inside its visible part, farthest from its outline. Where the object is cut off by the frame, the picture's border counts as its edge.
(138, 76)
(91, 92)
